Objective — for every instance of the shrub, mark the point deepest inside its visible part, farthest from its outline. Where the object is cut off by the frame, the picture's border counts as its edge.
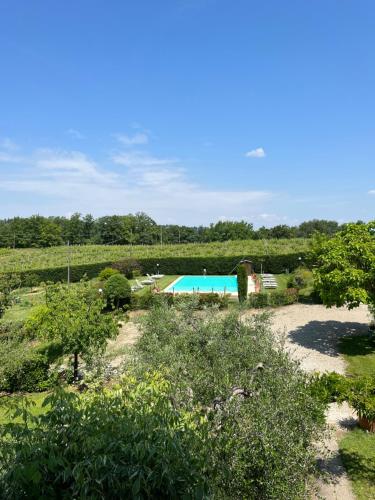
(331, 387)
(107, 272)
(263, 418)
(149, 299)
(242, 282)
(258, 300)
(274, 299)
(361, 396)
(129, 267)
(22, 368)
(131, 442)
(117, 291)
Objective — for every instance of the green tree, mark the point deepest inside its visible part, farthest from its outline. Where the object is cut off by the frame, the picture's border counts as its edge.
(242, 282)
(73, 315)
(117, 290)
(345, 272)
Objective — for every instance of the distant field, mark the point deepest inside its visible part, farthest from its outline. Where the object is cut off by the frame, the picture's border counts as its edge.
(12, 260)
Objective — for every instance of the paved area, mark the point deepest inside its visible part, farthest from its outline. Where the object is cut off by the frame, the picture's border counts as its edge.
(311, 335)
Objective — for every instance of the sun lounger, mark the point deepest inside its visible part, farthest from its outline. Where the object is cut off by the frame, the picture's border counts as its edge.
(157, 276)
(148, 281)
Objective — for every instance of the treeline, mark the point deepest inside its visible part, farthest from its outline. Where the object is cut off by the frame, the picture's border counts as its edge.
(140, 229)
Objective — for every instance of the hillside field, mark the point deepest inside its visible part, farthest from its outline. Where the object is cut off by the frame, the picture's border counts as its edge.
(16, 260)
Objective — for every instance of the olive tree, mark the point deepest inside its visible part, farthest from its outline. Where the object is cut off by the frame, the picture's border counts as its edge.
(73, 315)
(345, 272)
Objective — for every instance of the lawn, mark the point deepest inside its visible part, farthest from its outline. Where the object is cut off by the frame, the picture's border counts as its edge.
(358, 454)
(359, 353)
(160, 283)
(358, 446)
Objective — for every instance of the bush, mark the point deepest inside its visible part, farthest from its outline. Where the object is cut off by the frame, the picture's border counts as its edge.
(263, 418)
(131, 442)
(300, 278)
(242, 282)
(129, 267)
(274, 299)
(117, 291)
(22, 368)
(149, 299)
(107, 272)
(331, 387)
(361, 396)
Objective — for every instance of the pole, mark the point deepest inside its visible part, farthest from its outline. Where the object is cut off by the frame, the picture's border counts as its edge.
(68, 258)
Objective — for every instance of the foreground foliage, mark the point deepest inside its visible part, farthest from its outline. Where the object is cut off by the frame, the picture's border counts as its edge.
(263, 415)
(130, 442)
(209, 407)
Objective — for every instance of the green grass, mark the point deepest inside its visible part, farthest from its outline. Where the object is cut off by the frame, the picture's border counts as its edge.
(357, 449)
(12, 260)
(26, 302)
(6, 402)
(359, 353)
(160, 283)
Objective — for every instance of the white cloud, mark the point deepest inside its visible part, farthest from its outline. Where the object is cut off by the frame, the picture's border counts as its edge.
(256, 153)
(136, 159)
(372, 192)
(68, 181)
(75, 133)
(132, 140)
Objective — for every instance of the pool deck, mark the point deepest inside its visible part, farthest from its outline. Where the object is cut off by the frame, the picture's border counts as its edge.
(169, 288)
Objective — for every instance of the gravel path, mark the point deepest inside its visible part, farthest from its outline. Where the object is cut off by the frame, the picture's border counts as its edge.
(312, 333)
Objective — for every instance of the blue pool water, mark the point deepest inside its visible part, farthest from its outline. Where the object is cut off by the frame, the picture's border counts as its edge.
(219, 284)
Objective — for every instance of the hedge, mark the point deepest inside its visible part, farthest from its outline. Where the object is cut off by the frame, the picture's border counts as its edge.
(274, 299)
(275, 264)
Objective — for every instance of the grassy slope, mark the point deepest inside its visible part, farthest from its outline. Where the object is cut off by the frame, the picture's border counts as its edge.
(358, 454)
(36, 258)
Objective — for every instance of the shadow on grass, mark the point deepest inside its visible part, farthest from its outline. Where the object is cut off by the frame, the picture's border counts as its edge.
(357, 345)
(324, 336)
(359, 467)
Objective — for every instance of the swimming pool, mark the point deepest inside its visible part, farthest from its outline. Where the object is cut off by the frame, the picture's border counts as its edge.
(203, 284)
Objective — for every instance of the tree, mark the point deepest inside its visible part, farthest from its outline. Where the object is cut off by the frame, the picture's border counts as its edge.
(117, 290)
(345, 273)
(242, 282)
(73, 316)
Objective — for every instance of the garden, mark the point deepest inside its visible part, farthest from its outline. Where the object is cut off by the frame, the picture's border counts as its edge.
(206, 402)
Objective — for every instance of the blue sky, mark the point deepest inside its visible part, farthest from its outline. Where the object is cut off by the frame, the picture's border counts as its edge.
(189, 110)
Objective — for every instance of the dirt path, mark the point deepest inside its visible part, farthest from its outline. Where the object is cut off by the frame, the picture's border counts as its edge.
(118, 348)
(312, 334)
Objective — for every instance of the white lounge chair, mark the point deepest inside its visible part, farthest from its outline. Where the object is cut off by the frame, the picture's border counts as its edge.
(157, 276)
(139, 285)
(148, 281)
